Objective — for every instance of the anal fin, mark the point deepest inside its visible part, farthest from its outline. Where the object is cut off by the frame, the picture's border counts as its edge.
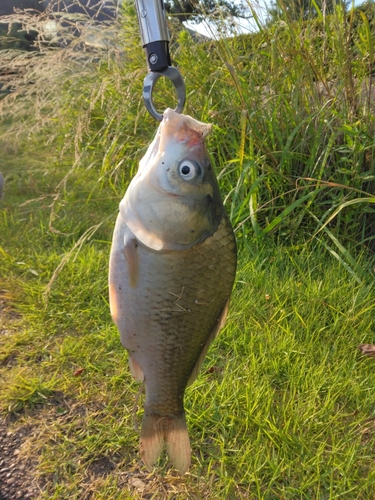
(136, 370)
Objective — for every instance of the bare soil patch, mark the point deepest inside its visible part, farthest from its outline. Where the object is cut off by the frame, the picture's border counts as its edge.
(17, 479)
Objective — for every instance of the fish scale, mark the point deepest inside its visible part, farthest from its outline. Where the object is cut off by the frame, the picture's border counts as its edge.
(170, 298)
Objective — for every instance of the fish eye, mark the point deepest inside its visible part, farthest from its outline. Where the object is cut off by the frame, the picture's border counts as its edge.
(189, 170)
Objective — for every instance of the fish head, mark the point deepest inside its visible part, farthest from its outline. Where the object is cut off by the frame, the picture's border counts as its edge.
(174, 201)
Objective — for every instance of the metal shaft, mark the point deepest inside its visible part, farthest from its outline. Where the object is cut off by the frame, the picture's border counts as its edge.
(152, 21)
(154, 33)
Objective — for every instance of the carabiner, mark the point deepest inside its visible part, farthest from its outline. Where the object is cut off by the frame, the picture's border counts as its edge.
(175, 77)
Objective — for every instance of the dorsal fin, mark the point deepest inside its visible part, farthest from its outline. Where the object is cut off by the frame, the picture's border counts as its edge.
(219, 325)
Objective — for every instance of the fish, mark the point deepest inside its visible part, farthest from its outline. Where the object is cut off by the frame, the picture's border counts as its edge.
(171, 272)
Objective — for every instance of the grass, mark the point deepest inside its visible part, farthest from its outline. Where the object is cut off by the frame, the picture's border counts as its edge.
(283, 408)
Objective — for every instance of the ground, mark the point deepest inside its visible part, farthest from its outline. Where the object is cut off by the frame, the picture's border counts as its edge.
(17, 477)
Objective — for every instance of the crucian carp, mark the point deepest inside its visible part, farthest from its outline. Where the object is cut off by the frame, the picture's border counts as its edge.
(171, 273)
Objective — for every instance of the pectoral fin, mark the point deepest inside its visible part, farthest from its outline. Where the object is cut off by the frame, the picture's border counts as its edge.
(131, 257)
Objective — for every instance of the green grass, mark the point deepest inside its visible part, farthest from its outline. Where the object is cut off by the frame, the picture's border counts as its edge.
(283, 408)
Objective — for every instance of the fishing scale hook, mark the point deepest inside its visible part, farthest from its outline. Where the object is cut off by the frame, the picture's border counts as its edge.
(152, 21)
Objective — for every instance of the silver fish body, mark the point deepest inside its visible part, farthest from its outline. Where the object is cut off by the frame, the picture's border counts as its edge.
(172, 267)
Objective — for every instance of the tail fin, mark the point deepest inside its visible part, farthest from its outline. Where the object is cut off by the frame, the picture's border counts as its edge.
(171, 431)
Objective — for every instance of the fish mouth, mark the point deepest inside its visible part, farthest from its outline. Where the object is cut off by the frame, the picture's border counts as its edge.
(185, 128)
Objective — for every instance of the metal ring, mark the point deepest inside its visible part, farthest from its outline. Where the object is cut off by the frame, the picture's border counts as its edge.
(175, 77)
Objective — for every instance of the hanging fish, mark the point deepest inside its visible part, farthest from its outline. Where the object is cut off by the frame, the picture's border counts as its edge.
(171, 272)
